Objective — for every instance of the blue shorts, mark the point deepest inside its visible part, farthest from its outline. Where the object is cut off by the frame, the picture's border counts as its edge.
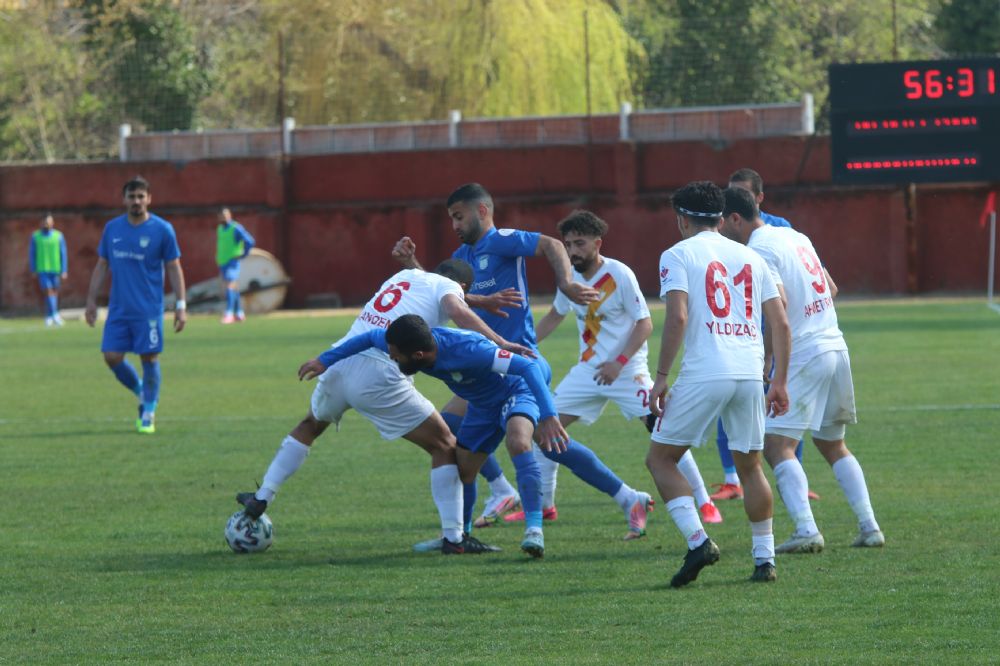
(139, 336)
(483, 429)
(230, 270)
(48, 281)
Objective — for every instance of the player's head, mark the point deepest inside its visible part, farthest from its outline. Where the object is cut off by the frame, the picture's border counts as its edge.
(740, 215)
(457, 270)
(48, 222)
(470, 208)
(411, 344)
(749, 180)
(698, 206)
(136, 195)
(581, 233)
(225, 215)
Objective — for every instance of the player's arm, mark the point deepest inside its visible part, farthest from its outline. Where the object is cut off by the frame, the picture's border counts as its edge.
(495, 302)
(96, 284)
(248, 240)
(781, 336)
(674, 325)
(608, 371)
(769, 341)
(834, 290)
(549, 434)
(548, 323)
(349, 347)
(63, 258)
(405, 252)
(176, 275)
(555, 252)
(463, 316)
(31, 254)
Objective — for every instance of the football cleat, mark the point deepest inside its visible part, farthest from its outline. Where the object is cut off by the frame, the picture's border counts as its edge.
(252, 506)
(49, 322)
(802, 544)
(495, 509)
(695, 560)
(764, 573)
(429, 546)
(873, 539)
(710, 513)
(146, 424)
(534, 543)
(636, 515)
(468, 546)
(241, 316)
(726, 491)
(228, 318)
(58, 321)
(518, 516)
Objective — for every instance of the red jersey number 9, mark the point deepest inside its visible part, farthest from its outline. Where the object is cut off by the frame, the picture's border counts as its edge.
(811, 262)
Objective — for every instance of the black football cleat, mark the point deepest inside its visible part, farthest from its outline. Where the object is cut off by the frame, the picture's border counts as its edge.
(252, 506)
(764, 573)
(695, 560)
(468, 546)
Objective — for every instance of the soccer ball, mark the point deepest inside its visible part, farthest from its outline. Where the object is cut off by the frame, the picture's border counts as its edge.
(246, 535)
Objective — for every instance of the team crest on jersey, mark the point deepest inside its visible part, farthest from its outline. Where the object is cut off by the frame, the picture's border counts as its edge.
(484, 261)
(456, 377)
(143, 241)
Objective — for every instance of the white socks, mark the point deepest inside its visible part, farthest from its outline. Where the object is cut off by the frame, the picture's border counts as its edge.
(763, 542)
(689, 468)
(852, 481)
(446, 489)
(500, 487)
(685, 516)
(794, 489)
(732, 478)
(625, 496)
(287, 460)
(549, 470)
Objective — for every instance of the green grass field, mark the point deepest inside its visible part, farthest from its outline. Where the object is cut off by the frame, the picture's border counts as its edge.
(111, 543)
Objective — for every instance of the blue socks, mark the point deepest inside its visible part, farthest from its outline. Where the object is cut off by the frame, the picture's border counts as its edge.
(529, 486)
(468, 504)
(585, 464)
(798, 451)
(51, 305)
(150, 385)
(233, 301)
(725, 456)
(126, 374)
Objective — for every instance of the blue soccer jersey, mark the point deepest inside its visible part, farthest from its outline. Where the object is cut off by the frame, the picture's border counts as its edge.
(136, 256)
(497, 261)
(473, 367)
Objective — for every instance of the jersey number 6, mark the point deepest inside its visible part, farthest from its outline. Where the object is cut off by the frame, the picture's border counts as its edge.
(394, 292)
(714, 285)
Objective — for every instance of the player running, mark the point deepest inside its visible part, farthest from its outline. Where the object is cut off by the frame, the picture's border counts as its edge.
(819, 377)
(714, 290)
(137, 247)
(373, 385)
(507, 395)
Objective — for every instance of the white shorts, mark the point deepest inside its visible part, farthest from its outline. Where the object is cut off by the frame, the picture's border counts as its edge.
(693, 408)
(578, 394)
(821, 394)
(377, 389)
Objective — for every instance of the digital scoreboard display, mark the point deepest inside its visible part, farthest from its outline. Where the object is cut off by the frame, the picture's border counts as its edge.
(919, 122)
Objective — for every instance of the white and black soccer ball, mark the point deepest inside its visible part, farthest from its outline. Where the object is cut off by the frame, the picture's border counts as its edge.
(246, 535)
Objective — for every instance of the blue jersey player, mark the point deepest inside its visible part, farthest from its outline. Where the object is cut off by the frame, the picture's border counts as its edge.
(497, 257)
(137, 248)
(507, 395)
(232, 244)
(749, 180)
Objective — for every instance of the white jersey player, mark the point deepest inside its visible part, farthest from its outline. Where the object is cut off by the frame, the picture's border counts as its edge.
(715, 290)
(612, 366)
(819, 377)
(373, 385)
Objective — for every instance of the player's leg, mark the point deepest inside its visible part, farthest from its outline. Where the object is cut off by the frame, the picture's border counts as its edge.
(116, 340)
(743, 418)
(689, 468)
(434, 437)
(520, 429)
(229, 273)
(730, 486)
(793, 486)
(234, 289)
(147, 337)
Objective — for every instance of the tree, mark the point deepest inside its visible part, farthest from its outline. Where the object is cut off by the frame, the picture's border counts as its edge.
(969, 27)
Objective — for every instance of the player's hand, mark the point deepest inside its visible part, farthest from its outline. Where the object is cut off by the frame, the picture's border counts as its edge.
(580, 293)
(180, 319)
(776, 399)
(608, 372)
(404, 251)
(90, 314)
(550, 435)
(493, 303)
(64, 276)
(311, 369)
(520, 350)
(659, 395)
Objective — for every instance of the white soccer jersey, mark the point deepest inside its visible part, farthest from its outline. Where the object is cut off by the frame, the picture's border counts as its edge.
(409, 291)
(811, 314)
(726, 284)
(605, 324)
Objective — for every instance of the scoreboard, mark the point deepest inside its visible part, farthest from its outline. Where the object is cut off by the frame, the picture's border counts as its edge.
(919, 122)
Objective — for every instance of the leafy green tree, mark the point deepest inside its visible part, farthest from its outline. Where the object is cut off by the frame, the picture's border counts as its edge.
(969, 27)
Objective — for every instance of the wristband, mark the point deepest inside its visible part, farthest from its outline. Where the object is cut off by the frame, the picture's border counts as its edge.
(622, 358)
(662, 373)
(180, 305)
